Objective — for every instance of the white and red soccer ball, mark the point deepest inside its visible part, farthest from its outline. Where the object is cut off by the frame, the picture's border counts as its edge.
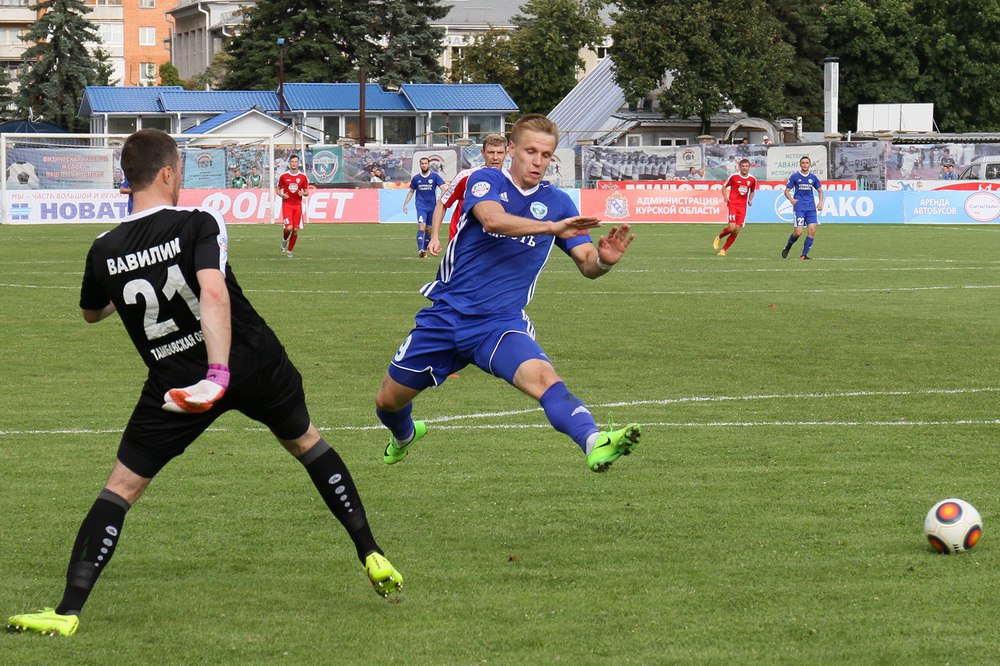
(953, 526)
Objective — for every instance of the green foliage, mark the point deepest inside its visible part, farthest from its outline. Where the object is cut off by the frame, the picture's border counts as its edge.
(315, 46)
(214, 77)
(799, 420)
(802, 26)
(326, 40)
(488, 59)
(103, 75)
(960, 63)
(60, 67)
(169, 75)
(395, 40)
(711, 59)
(8, 103)
(547, 37)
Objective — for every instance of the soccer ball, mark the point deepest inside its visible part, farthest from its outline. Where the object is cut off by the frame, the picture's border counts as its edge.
(953, 526)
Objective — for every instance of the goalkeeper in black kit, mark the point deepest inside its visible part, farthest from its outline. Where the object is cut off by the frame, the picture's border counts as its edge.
(165, 272)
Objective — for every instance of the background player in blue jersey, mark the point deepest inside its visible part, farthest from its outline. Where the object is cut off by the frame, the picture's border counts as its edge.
(425, 184)
(486, 278)
(800, 190)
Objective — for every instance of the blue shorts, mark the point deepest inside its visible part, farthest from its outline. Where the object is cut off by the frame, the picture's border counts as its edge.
(425, 215)
(804, 218)
(445, 341)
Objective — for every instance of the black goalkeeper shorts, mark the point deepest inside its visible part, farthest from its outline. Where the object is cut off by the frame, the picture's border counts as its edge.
(272, 395)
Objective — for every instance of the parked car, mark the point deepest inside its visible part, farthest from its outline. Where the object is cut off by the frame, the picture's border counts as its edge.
(982, 168)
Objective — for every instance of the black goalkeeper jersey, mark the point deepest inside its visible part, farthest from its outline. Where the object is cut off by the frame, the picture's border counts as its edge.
(147, 267)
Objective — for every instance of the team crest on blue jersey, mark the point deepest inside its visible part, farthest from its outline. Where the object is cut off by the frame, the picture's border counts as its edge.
(480, 189)
(539, 210)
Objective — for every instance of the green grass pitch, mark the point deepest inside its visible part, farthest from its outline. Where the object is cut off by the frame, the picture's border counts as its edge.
(799, 420)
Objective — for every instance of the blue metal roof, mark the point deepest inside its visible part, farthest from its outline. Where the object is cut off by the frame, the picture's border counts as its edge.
(218, 121)
(458, 97)
(115, 99)
(341, 97)
(219, 101)
(484, 97)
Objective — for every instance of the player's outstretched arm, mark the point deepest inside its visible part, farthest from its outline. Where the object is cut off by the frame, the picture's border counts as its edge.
(594, 262)
(216, 326)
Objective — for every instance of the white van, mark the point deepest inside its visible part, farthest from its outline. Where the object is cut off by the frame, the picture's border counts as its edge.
(982, 168)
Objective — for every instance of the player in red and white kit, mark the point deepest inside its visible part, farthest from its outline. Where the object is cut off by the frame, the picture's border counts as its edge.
(292, 187)
(737, 194)
(494, 152)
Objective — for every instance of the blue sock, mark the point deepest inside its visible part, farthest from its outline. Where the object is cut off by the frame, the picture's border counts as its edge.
(791, 241)
(568, 414)
(420, 239)
(400, 423)
(807, 245)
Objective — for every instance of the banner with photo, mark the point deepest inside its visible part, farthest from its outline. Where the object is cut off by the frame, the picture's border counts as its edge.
(858, 159)
(722, 160)
(204, 168)
(926, 161)
(638, 163)
(60, 168)
(782, 161)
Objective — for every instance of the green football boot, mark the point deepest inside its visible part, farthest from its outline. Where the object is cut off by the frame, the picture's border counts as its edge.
(384, 577)
(45, 621)
(611, 445)
(394, 453)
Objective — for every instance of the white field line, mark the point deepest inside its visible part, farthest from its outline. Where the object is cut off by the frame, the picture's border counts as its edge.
(441, 421)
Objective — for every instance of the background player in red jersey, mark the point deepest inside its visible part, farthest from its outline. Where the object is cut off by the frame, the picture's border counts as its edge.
(737, 194)
(494, 151)
(292, 187)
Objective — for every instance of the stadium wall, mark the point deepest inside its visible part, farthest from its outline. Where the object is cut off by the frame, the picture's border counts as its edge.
(332, 206)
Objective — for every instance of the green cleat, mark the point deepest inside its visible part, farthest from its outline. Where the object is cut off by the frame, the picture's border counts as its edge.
(384, 577)
(45, 621)
(394, 453)
(611, 445)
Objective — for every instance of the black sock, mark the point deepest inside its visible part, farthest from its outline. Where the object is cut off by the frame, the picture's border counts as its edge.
(95, 544)
(331, 478)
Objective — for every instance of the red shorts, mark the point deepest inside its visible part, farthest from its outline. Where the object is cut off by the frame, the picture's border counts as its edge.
(737, 215)
(292, 215)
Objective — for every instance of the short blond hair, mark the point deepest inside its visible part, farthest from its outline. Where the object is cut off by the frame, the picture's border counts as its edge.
(534, 122)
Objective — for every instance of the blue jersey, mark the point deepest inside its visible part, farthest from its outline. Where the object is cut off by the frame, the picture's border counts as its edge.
(488, 273)
(804, 189)
(425, 188)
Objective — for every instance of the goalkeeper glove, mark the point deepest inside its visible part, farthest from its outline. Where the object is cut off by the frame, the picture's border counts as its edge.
(199, 397)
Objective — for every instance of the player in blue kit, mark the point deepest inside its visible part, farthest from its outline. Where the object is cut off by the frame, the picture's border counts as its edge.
(425, 185)
(511, 219)
(800, 191)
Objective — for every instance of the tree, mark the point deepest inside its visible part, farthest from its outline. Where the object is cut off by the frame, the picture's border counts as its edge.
(105, 70)
(959, 63)
(546, 41)
(326, 40)
(395, 41)
(708, 60)
(488, 59)
(313, 31)
(60, 67)
(802, 26)
(873, 40)
(169, 76)
(8, 104)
